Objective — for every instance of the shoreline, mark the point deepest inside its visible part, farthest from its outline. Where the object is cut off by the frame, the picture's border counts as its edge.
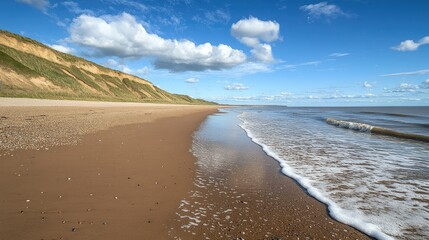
(125, 178)
(332, 209)
(240, 193)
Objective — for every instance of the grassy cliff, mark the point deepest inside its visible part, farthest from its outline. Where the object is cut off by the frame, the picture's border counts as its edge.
(30, 69)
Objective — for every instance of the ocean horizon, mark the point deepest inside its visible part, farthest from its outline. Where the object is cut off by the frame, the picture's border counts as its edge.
(187, 119)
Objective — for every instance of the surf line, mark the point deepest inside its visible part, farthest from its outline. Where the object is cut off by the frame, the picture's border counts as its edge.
(362, 127)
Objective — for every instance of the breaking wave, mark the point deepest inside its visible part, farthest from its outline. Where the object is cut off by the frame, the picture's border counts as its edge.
(362, 127)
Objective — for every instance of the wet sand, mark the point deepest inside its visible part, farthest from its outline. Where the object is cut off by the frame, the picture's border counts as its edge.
(239, 193)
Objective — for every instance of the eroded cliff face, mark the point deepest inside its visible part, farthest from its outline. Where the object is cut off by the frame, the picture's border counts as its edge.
(30, 69)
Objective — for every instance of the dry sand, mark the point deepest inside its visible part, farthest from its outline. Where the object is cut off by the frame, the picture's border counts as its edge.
(40, 124)
(124, 182)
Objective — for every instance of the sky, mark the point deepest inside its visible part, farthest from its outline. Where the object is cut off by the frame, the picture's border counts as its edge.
(294, 53)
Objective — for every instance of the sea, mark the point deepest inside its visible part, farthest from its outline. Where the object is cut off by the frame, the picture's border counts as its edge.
(368, 165)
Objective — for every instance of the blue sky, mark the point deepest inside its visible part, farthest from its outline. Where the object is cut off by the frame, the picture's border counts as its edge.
(296, 53)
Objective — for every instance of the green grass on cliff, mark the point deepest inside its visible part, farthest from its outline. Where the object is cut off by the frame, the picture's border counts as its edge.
(76, 83)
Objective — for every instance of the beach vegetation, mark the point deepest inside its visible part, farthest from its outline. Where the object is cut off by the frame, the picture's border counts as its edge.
(38, 71)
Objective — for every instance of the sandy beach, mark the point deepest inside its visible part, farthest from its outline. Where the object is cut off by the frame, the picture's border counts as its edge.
(95, 172)
(89, 170)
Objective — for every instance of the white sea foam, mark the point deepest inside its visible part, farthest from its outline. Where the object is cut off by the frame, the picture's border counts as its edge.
(375, 184)
(344, 216)
(350, 125)
(362, 127)
(376, 180)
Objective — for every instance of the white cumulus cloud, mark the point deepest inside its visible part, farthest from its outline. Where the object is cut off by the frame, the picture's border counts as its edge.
(122, 36)
(410, 45)
(236, 86)
(256, 34)
(414, 89)
(251, 31)
(262, 52)
(192, 80)
(405, 88)
(368, 85)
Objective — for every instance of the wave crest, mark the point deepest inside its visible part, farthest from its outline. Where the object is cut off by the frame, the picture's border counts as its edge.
(363, 127)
